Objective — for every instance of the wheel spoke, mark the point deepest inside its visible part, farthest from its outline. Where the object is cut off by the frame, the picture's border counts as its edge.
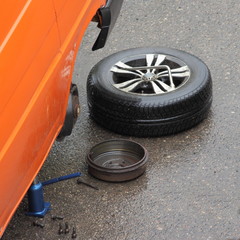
(165, 86)
(125, 84)
(124, 65)
(149, 59)
(183, 69)
(159, 60)
(118, 70)
(156, 88)
(132, 86)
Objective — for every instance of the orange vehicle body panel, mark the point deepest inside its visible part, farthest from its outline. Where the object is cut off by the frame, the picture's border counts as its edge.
(39, 41)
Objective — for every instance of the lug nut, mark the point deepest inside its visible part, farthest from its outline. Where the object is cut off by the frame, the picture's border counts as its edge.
(77, 111)
(74, 234)
(57, 218)
(60, 230)
(66, 228)
(38, 224)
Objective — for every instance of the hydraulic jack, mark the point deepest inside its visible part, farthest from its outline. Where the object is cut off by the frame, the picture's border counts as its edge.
(37, 207)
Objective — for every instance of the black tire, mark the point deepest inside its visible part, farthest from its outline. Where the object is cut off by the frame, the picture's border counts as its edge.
(149, 113)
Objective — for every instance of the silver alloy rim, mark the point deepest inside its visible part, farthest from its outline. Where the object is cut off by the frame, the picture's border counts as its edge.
(150, 74)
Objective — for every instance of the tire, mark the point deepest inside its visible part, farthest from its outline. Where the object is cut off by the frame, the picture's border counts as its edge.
(149, 92)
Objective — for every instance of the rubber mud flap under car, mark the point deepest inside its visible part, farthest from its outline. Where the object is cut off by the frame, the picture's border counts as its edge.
(107, 19)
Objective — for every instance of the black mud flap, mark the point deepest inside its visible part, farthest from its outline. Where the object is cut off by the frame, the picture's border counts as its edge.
(107, 17)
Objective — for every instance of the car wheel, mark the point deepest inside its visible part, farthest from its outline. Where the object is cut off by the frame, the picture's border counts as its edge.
(149, 92)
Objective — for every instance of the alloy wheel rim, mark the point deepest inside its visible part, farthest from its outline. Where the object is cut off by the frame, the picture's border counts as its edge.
(149, 74)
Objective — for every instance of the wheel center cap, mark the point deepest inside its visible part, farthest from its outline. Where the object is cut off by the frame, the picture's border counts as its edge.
(149, 76)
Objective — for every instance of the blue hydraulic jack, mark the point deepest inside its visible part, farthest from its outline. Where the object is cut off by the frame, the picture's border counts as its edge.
(37, 207)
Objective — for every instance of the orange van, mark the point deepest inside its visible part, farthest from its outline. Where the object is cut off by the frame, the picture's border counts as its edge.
(39, 41)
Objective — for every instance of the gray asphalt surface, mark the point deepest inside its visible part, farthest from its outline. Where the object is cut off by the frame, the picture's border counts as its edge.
(190, 189)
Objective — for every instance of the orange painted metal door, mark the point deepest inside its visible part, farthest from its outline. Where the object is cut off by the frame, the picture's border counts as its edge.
(29, 45)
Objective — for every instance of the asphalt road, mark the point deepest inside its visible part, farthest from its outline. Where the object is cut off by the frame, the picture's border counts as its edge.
(191, 187)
